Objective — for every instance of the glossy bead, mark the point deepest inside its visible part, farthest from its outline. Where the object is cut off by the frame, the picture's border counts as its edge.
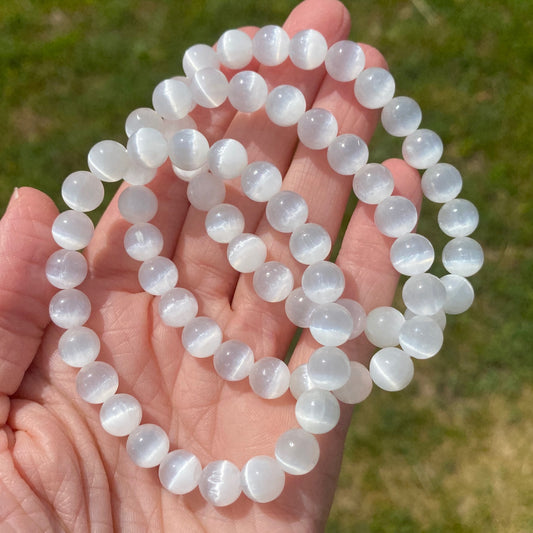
(72, 230)
(421, 337)
(234, 49)
(300, 381)
(391, 369)
(143, 241)
(286, 210)
(347, 154)
(205, 191)
(395, 216)
(209, 88)
(177, 307)
(220, 483)
(270, 378)
(246, 253)
(82, 191)
(79, 346)
(233, 360)
(424, 294)
(323, 282)
(328, 368)
(147, 445)
(441, 183)
(137, 204)
(285, 105)
(401, 116)
(144, 117)
(331, 324)
(227, 158)
(297, 451)
(198, 57)
(66, 269)
(201, 336)
(317, 128)
(412, 254)
(262, 479)
(462, 256)
(298, 308)
(373, 183)
(108, 160)
(458, 218)
(374, 87)
(271, 45)
(171, 127)
(308, 49)
(358, 387)
(224, 222)
(345, 60)
(260, 181)
(247, 91)
(69, 308)
(180, 471)
(188, 175)
(439, 317)
(172, 99)
(96, 382)
(273, 281)
(139, 174)
(148, 147)
(317, 411)
(158, 275)
(422, 148)
(188, 149)
(310, 243)
(383, 326)
(459, 294)
(358, 314)
(120, 414)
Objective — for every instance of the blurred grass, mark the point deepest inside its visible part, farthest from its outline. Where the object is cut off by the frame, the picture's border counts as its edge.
(453, 451)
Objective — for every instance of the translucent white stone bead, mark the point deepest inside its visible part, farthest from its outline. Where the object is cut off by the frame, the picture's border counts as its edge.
(144, 117)
(271, 45)
(458, 218)
(328, 368)
(391, 369)
(300, 381)
(459, 294)
(299, 308)
(66, 269)
(120, 414)
(358, 387)
(139, 174)
(158, 275)
(82, 191)
(383, 326)
(262, 479)
(180, 471)
(462, 256)
(201, 336)
(317, 411)
(424, 294)
(247, 91)
(373, 183)
(439, 317)
(224, 222)
(310, 243)
(72, 230)
(286, 210)
(233, 360)
(227, 158)
(143, 241)
(188, 149)
(220, 483)
(401, 116)
(422, 148)
(137, 204)
(108, 160)
(297, 451)
(188, 175)
(79, 346)
(69, 308)
(246, 253)
(412, 254)
(441, 183)
(347, 154)
(317, 128)
(205, 191)
(273, 281)
(308, 49)
(270, 378)
(177, 307)
(198, 57)
(323, 282)
(421, 337)
(96, 382)
(234, 49)
(172, 99)
(285, 105)
(171, 127)
(395, 216)
(147, 445)
(331, 324)
(345, 60)
(374, 87)
(358, 316)
(148, 147)
(209, 88)
(260, 181)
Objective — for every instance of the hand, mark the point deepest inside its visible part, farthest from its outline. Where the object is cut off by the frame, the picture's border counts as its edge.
(59, 470)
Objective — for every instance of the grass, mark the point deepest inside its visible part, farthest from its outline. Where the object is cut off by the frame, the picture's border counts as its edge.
(452, 452)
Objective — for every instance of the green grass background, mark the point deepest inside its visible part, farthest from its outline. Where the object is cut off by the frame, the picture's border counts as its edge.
(453, 451)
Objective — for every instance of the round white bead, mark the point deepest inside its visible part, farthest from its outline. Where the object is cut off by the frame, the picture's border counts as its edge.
(358, 387)
(262, 479)
(227, 158)
(270, 378)
(424, 294)
(234, 49)
(270, 45)
(79, 346)
(308, 49)
(209, 88)
(144, 117)
(143, 241)
(96, 382)
(439, 317)
(373, 183)
(177, 307)
(172, 99)
(273, 281)
(247, 91)
(147, 445)
(66, 269)
(180, 471)
(401, 116)
(82, 191)
(458, 218)
(347, 154)
(220, 483)
(198, 57)
(328, 368)
(188, 149)
(69, 308)
(224, 222)
(317, 128)
(441, 183)
(462, 256)
(286, 210)
(391, 369)
(260, 181)
(246, 252)
(201, 336)
(374, 87)
(395, 216)
(459, 294)
(233, 360)
(285, 105)
(139, 174)
(331, 324)
(205, 191)
(412, 254)
(323, 282)
(317, 411)
(310, 243)
(158, 275)
(300, 381)
(421, 337)
(383, 326)
(108, 160)
(345, 60)
(171, 127)
(72, 230)
(137, 204)
(299, 308)
(358, 316)
(297, 451)
(422, 148)
(120, 414)
(148, 147)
